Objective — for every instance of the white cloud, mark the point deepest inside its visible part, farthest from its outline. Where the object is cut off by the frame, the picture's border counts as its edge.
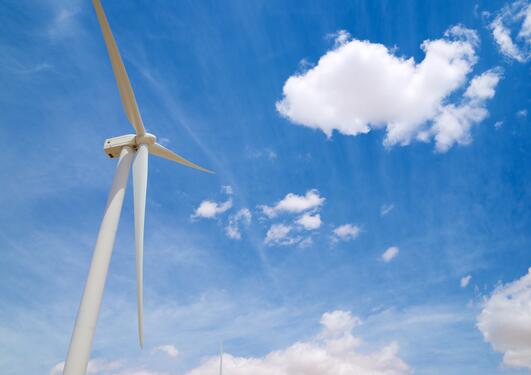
(337, 323)
(341, 37)
(334, 351)
(169, 350)
(465, 280)
(278, 234)
(453, 123)
(65, 24)
(294, 203)
(359, 86)
(483, 86)
(95, 366)
(210, 209)
(498, 124)
(522, 113)
(386, 208)
(505, 25)
(227, 189)
(310, 222)
(232, 229)
(346, 232)
(505, 321)
(390, 253)
(305, 242)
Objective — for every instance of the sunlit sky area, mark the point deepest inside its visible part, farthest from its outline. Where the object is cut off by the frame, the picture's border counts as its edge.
(370, 211)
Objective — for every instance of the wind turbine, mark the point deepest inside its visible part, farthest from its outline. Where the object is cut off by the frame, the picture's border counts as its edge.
(130, 149)
(221, 359)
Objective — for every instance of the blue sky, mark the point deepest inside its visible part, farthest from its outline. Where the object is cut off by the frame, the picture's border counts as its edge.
(209, 79)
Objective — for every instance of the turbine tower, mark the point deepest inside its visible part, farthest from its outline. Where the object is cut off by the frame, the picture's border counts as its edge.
(130, 149)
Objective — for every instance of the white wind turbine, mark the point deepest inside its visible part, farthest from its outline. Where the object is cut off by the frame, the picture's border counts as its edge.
(221, 359)
(131, 148)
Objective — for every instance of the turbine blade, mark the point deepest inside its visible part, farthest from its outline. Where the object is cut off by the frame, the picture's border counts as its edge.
(140, 172)
(161, 151)
(122, 80)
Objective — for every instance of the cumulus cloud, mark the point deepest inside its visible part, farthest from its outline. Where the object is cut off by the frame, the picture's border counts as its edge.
(294, 203)
(511, 30)
(279, 234)
(390, 254)
(169, 350)
(309, 222)
(465, 280)
(307, 205)
(209, 209)
(334, 351)
(452, 124)
(242, 217)
(359, 86)
(505, 321)
(346, 232)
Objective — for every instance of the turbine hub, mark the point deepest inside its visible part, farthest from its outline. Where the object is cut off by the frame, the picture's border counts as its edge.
(147, 139)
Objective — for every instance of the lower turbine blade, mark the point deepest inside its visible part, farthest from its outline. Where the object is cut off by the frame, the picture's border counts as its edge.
(140, 172)
(159, 150)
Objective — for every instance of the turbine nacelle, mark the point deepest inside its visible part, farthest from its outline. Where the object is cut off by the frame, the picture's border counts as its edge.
(113, 146)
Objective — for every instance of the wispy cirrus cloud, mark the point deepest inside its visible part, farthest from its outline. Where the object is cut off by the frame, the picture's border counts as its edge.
(386, 208)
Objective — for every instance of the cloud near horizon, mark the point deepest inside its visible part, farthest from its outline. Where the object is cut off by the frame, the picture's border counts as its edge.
(359, 86)
(170, 350)
(333, 351)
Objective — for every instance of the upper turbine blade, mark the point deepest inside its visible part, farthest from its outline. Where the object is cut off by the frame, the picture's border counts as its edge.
(159, 150)
(126, 91)
(140, 172)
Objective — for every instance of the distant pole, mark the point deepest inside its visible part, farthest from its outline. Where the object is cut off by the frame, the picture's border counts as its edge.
(81, 341)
